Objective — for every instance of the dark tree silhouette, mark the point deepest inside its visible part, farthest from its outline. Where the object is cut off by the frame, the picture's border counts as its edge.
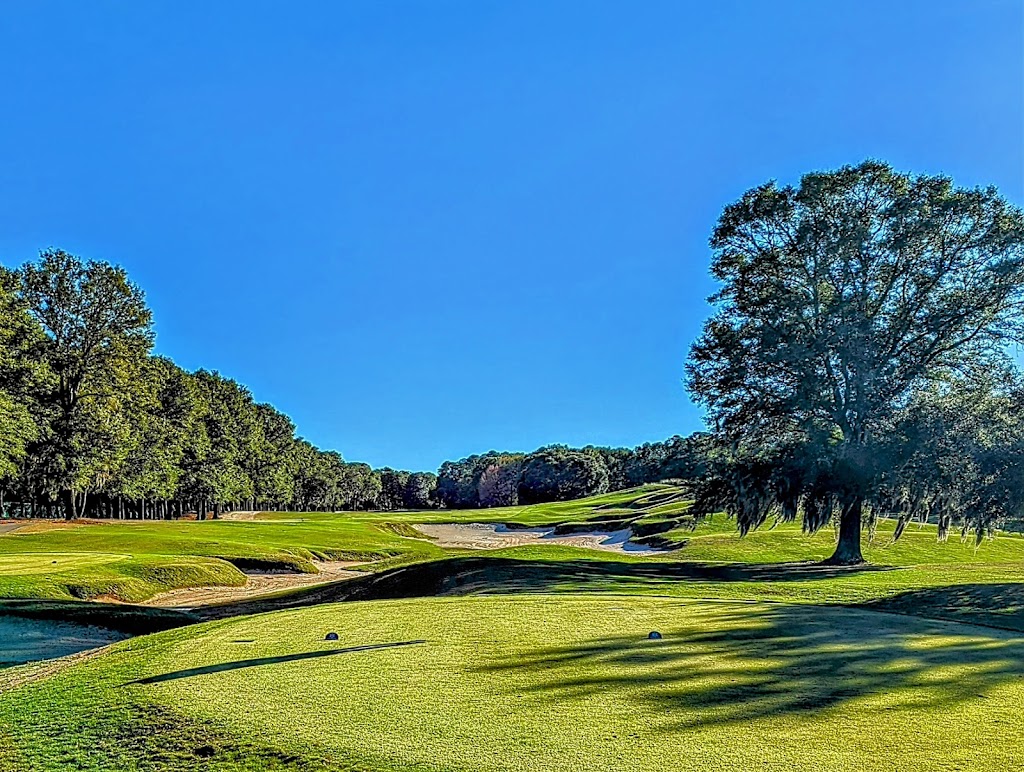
(841, 299)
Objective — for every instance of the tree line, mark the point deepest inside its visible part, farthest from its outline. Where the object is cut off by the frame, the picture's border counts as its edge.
(92, 423)
(561, 473)
(858, 366)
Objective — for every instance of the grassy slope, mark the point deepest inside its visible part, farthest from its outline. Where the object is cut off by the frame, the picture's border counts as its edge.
(561, 678)
(536, 683)
(134, 560)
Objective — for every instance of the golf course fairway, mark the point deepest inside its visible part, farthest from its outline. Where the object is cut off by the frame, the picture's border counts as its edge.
(538, 682)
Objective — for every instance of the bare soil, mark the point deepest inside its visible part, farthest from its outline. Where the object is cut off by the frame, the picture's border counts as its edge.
(240, 515)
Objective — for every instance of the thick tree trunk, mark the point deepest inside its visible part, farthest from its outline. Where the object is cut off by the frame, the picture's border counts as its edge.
(848, 549)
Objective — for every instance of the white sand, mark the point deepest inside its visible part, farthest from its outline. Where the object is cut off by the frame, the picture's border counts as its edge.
(490, 536)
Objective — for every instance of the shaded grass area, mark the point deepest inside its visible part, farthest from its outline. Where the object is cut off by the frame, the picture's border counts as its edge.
(537, 683)
(927, 591)
(991, 604)
(134, 620)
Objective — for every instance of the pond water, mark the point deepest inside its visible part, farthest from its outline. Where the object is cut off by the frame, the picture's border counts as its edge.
(28, 640)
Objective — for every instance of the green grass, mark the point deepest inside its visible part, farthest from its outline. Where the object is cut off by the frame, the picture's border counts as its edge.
(716, 540)
(92, 575)
(530, 658)
(135, 560)
(132, 561)
(536, 683)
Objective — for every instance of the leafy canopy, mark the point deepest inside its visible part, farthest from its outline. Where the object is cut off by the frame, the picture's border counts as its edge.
(842, 299)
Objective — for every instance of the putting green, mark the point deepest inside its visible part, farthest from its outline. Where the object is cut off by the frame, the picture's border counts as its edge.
(542, 683)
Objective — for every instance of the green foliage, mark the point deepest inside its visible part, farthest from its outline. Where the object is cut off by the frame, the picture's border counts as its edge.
(559, 474)
(97, 337)
(842, 300)
(956, 455)
(89, 419)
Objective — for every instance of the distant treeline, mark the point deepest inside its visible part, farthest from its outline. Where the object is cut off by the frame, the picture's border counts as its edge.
(560, 473)
(93, 424)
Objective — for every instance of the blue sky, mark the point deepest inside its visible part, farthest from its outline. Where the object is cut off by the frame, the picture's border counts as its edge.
(428, 229)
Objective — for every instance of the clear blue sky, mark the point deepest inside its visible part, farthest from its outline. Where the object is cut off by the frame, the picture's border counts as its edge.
(428, 229)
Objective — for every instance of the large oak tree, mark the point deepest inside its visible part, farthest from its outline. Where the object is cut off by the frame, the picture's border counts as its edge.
(843, 298)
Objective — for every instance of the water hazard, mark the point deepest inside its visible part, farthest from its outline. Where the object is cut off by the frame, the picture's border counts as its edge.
(27, 640)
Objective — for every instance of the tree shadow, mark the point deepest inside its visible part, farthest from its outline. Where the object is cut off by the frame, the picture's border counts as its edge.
(998, 605)
(259, 661)
(482, 575)
(123, 617)
(766, 660)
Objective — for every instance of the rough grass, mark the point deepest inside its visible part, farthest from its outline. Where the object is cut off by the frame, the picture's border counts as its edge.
(536, 683)
(127, 578)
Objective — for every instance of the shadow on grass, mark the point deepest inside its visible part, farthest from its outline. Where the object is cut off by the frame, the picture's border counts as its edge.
(259, 661)
(995, 605)
(134, 620)
(466, 575)
(724, 668)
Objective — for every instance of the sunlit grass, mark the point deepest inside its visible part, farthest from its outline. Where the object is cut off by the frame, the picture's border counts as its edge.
(539, 683)
(546, 665)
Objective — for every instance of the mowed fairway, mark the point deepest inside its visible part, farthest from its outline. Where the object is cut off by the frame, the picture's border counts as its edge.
(157, 556)
(133, 561)
(528, 658)
(536, 683)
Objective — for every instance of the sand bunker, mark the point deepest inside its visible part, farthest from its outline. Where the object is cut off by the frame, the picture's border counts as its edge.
(489, 536)
(259, 583)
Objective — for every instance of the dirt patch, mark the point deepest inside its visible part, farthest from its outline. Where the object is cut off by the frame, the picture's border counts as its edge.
(490, 536)
(250, 516)
(240, 516)
(40, 526)
(258, 583)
